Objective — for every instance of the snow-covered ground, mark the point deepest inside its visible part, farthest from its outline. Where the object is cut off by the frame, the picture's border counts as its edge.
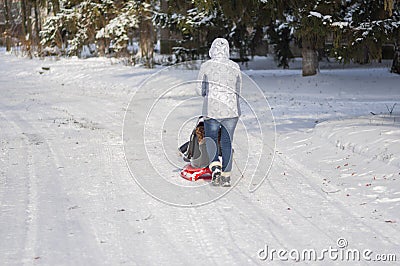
(67, 196)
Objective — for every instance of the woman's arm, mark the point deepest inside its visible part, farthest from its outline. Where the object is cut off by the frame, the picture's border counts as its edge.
(204, 86)
(239, 84)
(202, 83)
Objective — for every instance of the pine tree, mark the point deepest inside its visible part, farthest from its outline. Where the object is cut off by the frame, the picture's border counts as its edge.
(198, 24)
(246, 21)
(313, 19)
(281, 35)
(309, 22)
(365, 26)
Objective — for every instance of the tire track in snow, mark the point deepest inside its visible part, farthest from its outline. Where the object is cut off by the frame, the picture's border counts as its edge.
(305, 175)
(245, 240)
(30, 248)
(49, 210)
(201, 229)
(4, 157)
(294, 205)
(266, 227)
(339, 205)
(31, 198)
(88, 228)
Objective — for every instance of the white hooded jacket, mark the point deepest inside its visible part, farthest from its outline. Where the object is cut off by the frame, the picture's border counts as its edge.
(220, 83)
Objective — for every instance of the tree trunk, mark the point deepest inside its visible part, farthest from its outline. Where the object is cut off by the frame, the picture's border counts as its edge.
(28, 35)
(23, 11)
(396, 61)
(56, 6)
(365, 57)
(147, 38)
(310, 60)
(25, 29)
(101, 47)
(37, 25)
(28, 18)
(146, 43)
(7, 33)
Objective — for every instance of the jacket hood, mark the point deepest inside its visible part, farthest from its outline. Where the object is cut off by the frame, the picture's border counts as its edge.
(219, 49)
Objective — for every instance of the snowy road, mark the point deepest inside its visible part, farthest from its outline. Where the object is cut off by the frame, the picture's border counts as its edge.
(67, 197)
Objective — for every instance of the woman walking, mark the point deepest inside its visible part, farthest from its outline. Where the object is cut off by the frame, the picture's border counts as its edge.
(220, 85)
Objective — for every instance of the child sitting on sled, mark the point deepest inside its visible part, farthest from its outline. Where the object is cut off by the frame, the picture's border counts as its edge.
(195, 152)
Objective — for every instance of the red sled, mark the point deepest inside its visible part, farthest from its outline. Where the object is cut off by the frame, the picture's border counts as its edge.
(193, 174)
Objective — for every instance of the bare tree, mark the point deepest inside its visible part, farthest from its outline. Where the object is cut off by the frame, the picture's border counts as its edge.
(26, 29)
(147, 35)
(7, 32)
(37, 22)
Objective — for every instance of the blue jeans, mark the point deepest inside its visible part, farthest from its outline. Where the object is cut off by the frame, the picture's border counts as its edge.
(227, 127)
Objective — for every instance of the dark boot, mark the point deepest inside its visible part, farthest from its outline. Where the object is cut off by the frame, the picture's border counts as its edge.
(225, 179)
(216, 173)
